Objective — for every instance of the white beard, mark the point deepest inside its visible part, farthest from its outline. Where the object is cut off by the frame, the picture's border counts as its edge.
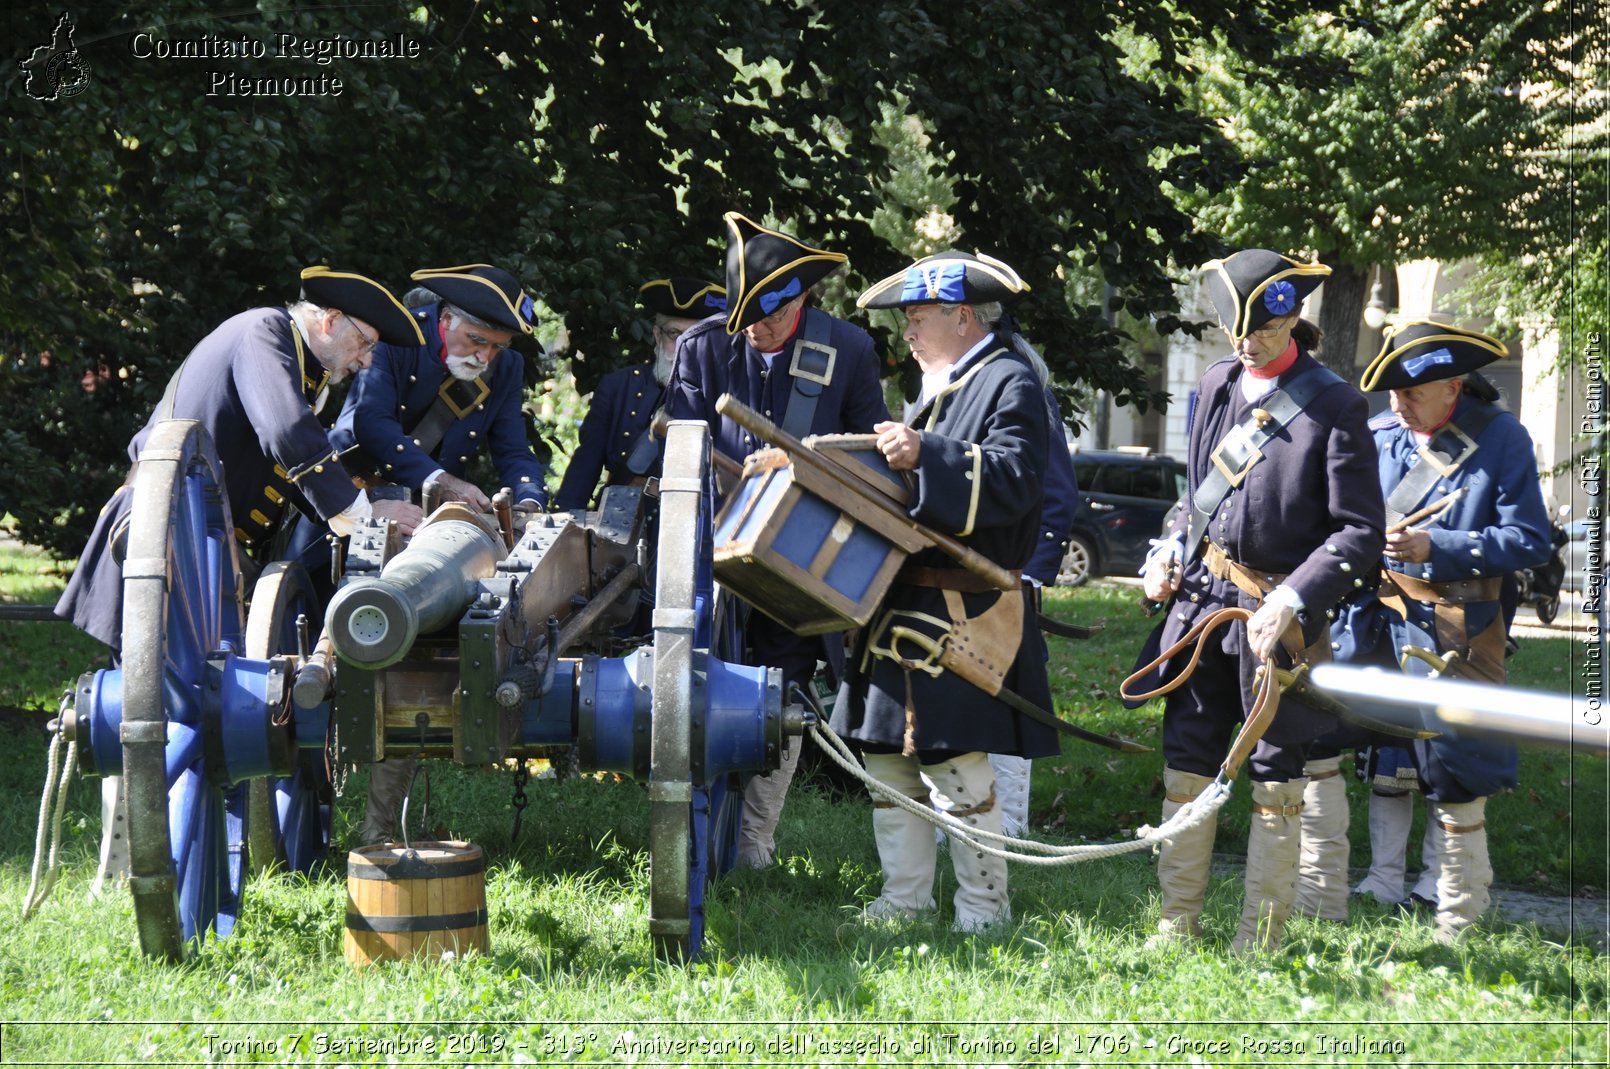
(664, 363)
(465, 368)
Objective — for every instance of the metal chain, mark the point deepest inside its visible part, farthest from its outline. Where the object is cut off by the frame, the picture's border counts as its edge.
(521, 775)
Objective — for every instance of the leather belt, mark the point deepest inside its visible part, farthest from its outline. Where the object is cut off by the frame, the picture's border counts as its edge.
(1332, 774)
(1249, 582)
(957, 579)
(1452, 592)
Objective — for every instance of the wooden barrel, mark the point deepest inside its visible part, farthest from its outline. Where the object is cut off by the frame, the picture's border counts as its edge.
(424, 900)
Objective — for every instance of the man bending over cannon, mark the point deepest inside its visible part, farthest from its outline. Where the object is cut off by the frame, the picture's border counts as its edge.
(977, 446)
(419, 413)
(811, 374)
(255, 385)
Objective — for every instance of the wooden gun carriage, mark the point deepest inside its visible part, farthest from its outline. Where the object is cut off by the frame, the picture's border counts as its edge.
(459, 644)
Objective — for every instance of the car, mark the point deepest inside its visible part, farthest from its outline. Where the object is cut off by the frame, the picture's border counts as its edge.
(1124, 495)
(1576, 552)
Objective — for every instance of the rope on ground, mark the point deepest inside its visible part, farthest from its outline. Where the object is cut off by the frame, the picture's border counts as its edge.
(52, 808)
(1026, 851)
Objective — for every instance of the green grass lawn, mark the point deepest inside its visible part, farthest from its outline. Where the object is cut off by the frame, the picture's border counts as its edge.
(791, 973)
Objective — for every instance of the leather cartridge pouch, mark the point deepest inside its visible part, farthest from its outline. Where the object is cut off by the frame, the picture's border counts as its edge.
(982, 648)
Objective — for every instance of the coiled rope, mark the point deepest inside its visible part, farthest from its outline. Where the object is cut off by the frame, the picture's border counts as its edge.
(52, 808)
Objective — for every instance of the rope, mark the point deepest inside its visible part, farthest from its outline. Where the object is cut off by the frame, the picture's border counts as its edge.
(58, 777)
(1026, 851)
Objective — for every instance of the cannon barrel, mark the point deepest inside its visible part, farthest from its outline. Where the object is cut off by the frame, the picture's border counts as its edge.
(374, 622)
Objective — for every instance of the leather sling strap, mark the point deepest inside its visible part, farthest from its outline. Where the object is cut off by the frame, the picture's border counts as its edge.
(1266, 702)
(1440, 458)
(1277, 409)
(455, 400)
(810, 370)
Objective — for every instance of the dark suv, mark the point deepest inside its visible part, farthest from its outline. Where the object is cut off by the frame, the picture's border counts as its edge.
(1123, 496)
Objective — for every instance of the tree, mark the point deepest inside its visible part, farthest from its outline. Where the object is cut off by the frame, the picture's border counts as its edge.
(587, 146)
(1424, 144)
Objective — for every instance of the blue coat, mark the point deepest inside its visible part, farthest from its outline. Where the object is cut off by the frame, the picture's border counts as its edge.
(620, 412)
(709, 363)
(980, 477)
(251, 383)
(1498, 527)
(1311, 510)
(394, 393)
(1061, 501)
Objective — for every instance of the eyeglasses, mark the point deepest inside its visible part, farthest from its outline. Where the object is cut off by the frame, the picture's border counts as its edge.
(368, 342)
(777, 317)
(668, 335)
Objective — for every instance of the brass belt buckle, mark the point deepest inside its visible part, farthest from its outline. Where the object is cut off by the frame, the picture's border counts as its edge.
(1254, 454)
(459, 412)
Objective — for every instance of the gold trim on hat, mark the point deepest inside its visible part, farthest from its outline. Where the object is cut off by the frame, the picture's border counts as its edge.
(1243, 312)
(320, 271)
(1383, 359)
(709, 287)
(461, 273)
(996, 269)
(747, 291)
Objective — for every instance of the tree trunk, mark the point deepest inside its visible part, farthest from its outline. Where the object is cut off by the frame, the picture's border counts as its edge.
(1340, 314)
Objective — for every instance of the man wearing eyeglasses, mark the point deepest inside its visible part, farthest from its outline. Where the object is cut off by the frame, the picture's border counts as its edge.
(419, 415)
(615, 438)
(808, 372)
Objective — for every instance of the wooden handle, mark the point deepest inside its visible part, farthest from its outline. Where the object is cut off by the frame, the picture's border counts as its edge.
(763, 428)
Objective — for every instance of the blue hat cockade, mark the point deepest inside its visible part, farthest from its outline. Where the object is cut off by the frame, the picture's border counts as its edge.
(1419, 351)
(1253, 286)
(766, 269)
(946, 278)
(682, 297)
(488, 293)
(363, 297)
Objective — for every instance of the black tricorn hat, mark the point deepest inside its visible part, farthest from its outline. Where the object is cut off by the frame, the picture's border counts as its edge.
(948, 278)
(1418, 351)
(1254, 286)
(766, 269)
(358, 295)
(488, 293)
(683, 298)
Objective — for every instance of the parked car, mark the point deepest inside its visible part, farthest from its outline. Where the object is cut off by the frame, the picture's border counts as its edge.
(1576, 555)
(1123, 496)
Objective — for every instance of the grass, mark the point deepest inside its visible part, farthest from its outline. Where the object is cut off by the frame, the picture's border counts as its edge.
(791, 974)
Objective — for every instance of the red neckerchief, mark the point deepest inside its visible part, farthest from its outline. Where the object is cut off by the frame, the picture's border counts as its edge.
(441, 332)
(1426, 436)
(1279, 365)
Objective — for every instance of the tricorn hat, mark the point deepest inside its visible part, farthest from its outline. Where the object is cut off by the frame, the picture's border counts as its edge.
(683, 298)
(766, 269)
(1419, 351)
(1254, 286)
(947, 278)
(358, 295)
(488, 293)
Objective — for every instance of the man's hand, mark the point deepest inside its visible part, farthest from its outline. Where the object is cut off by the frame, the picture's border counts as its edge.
(899, 444)
(1266, 626)
(405, 514)
(1411, 546)
(1162, 577)
(455, 489)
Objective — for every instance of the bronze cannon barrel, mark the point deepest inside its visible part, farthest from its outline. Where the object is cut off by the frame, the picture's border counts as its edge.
(374, 622)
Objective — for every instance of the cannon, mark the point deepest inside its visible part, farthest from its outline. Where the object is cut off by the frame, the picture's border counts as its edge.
(458, 644)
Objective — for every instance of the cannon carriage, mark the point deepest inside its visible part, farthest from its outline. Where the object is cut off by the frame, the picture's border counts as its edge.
(470, 642)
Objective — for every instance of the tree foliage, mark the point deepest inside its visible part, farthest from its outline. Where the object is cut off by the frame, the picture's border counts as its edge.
(586, 145)
(1430, 139)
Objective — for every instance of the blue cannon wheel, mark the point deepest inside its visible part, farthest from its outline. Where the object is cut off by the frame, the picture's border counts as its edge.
(290, 816)
(181, 602)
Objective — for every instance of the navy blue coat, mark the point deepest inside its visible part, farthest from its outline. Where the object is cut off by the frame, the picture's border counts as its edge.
(251, 383)
(391, 396)
(1311, 509)
(620, 412)
(1500, 526)
(1061, 501)
(709, 363)
(980, 477)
